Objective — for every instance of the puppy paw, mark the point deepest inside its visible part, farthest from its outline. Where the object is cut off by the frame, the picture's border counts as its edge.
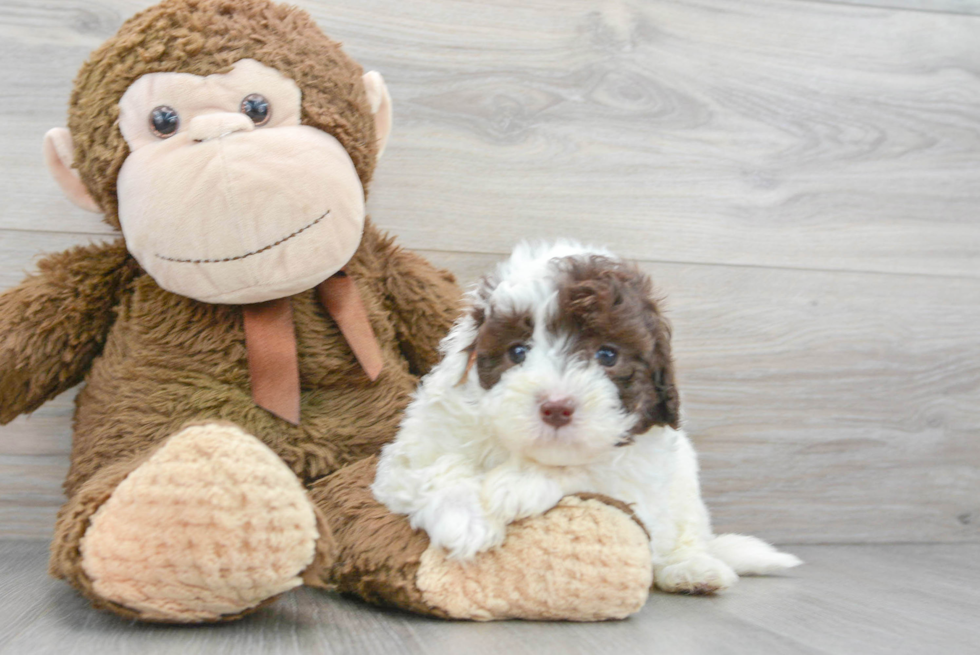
(510, 494)
(698, 575)
(460, 528)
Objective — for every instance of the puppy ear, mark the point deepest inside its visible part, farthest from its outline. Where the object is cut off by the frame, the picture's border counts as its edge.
(667, 409)
(662, 403)
(666, 406)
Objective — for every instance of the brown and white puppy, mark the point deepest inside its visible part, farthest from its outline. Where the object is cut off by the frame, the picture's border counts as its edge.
(559, 379)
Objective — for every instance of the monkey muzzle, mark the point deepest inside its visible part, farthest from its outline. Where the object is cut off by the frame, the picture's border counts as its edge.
(228, 214)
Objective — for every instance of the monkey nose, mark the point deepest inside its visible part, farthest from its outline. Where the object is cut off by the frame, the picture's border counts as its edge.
(218, 124)
(557, 412)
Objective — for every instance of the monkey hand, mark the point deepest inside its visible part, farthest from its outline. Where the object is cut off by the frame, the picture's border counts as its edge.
(55, 322)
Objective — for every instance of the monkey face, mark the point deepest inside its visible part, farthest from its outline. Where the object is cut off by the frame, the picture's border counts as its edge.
(225, 196)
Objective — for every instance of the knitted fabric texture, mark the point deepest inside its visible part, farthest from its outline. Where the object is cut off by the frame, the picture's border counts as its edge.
(599, 569)
(212, 524)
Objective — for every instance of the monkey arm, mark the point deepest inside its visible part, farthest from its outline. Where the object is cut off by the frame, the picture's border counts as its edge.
(425, 301)
(55, 322)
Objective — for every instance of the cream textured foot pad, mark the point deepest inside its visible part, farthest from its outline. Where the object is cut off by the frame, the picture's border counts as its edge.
(582, 561)
(211, 525)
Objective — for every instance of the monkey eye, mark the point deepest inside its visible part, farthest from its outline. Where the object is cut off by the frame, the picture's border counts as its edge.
(164, 121)
(256, 107)
(607, 355)
(517, 352)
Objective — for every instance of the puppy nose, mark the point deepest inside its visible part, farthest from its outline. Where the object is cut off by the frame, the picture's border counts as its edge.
(557, 412)
(218, 124)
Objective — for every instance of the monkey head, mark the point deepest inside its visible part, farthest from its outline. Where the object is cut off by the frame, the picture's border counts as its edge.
(231, 141)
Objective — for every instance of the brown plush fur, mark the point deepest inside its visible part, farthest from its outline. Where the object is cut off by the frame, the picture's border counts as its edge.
(56, 322)
(204, 37)
(155, 361)
(169, 360)
(379, 553)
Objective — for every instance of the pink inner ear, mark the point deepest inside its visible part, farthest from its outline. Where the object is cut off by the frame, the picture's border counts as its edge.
(58, 155)
(380, 100)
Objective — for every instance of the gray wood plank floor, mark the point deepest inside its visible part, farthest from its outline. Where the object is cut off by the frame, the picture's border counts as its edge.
(888, 599)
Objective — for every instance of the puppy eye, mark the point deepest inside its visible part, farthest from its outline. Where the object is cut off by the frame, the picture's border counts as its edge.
(164, 121)
(607, 356)
(256, 107)
(517, 353)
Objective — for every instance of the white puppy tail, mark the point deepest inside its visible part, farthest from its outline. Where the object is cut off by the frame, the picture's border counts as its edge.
(750, 556)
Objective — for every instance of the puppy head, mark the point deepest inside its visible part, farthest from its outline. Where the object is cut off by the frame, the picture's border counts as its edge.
(570, 355)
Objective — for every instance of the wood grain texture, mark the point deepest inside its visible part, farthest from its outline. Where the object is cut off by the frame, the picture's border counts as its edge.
(827, 406)
(889, 600)
(30, 494)
(772, 132)
(801, 178)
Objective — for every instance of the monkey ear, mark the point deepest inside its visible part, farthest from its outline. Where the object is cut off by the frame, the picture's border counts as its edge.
(380, 101)
(59, 152)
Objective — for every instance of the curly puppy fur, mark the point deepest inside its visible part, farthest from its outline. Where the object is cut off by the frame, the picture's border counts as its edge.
(559, 379)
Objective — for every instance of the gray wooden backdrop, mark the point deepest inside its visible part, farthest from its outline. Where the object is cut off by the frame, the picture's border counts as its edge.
(801, 178)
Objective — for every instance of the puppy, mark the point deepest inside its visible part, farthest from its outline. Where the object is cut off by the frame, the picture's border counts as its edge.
(557, 380)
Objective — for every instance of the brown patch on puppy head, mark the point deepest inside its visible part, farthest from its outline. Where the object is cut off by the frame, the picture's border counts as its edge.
(498, 334)
(495, 337)
(604, 302)
(204, 37)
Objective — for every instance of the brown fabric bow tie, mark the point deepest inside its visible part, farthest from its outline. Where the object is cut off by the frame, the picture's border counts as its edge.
(270, 338)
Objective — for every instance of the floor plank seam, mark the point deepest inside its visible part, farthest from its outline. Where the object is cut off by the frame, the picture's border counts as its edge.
(917, 10)
(674, 262)
(763, 267)
(21, 230)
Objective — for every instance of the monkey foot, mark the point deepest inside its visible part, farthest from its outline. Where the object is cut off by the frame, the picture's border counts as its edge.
(584, 560)
(210, 526)
(587, 559)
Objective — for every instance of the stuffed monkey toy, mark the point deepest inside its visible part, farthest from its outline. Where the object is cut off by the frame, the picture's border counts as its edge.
(250, 343)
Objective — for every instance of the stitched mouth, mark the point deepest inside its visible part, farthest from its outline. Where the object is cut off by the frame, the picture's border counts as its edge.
(248, 254)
